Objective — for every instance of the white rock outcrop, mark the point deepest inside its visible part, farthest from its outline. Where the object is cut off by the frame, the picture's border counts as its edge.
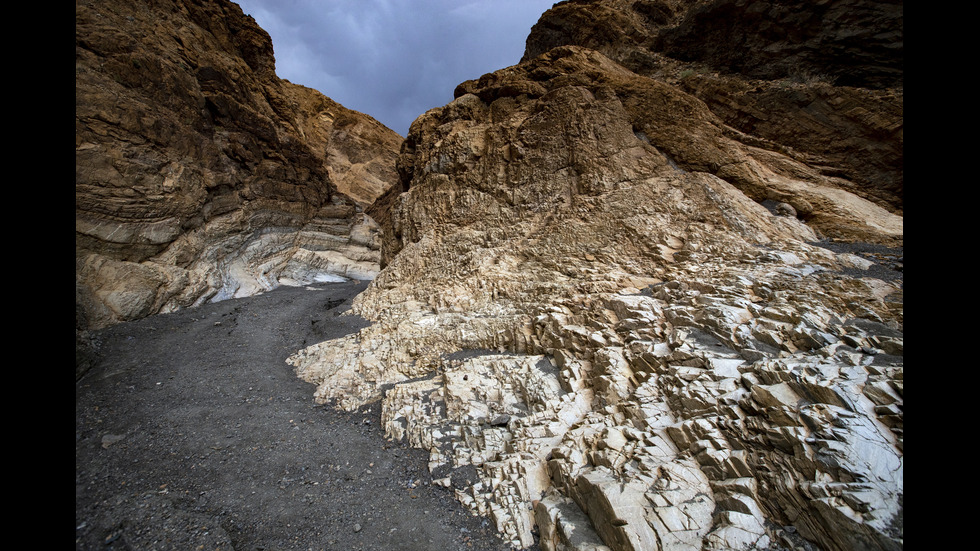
(630, 354)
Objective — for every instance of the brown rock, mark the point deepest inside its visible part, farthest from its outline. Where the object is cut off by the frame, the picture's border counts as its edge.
(703, 413)
(821, 82)
(585, 298)
(199, 173)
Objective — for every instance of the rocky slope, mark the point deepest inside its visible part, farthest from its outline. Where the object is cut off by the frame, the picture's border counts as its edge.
(620, 304)
(634, 313)
(200, 174)
(821, 81)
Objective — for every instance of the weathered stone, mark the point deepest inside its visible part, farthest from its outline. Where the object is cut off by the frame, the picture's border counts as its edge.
(817, 80)
(583, 294)
(199, 174)
(716, 372)
(563, 526)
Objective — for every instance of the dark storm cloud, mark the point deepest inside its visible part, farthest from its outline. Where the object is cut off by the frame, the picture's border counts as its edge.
(393, 59)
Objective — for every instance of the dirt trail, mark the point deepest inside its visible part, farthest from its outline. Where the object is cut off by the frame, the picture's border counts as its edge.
(191, 432)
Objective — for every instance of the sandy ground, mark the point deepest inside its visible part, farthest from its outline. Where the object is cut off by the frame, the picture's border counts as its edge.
(192, 433)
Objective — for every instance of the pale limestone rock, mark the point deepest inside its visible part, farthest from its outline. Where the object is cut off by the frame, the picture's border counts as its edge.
(650, 359)
(564, 527)
(854, 261)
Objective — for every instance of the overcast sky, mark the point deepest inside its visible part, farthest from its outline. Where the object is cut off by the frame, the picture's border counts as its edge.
(393, 59)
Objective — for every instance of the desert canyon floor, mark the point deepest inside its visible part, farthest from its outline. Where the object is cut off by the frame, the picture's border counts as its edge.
(192, 432)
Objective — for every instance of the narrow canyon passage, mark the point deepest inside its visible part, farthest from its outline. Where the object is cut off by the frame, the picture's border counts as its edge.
(192, 432)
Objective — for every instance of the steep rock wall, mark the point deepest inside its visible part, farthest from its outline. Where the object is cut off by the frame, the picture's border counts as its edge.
(587, 300)
(201, 175)
(607, 285)
(822, 81)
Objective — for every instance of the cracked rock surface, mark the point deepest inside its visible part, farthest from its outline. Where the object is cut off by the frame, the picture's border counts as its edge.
(629, 350)
(641, 291)
(199, 174)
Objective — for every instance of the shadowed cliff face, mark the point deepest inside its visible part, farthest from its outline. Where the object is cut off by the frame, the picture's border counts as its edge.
(854, 42)
(821, 79)
(199, 173)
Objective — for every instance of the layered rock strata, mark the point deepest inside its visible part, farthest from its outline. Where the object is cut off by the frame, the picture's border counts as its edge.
(597, 329)
(616, 305)
(200, 175)
(820, 81)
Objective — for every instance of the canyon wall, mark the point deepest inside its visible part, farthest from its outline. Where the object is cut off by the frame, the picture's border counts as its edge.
(643, 321)
(642, 290)
(821, 81)
(201, 175)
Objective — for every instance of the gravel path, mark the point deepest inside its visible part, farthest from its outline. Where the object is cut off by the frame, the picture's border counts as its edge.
(191, 432)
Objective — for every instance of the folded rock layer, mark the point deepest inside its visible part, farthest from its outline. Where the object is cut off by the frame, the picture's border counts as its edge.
(821, 81)
(199, 174)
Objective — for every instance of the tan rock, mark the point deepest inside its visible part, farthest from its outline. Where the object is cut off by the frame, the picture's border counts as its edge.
(200, 175)
(582, 293)
(767, 74)
(539, 207)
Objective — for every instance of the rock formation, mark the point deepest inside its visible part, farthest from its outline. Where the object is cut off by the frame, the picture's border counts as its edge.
(619, 318)
(640, 291)
(821, 81)
(201, 175)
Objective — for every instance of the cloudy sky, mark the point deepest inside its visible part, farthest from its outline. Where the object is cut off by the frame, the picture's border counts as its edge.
(393, 59)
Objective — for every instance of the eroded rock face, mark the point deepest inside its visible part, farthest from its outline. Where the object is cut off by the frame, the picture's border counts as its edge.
(855, 42)
(200, 175)
(593, 323)
(608, 308)
(821, 81)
